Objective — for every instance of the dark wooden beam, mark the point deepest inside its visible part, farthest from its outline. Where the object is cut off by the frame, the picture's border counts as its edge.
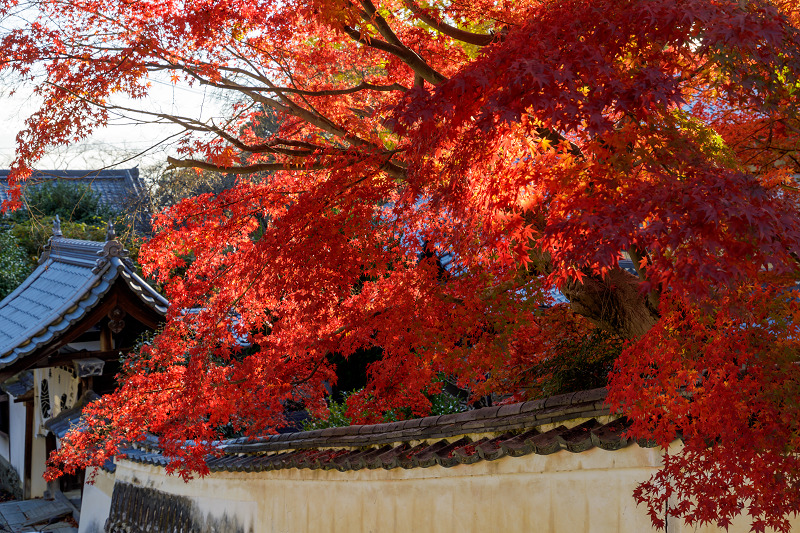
(119, 296)
(106, 338)
(27, 476)
(66, 358)
(129, 302)
(25, 398)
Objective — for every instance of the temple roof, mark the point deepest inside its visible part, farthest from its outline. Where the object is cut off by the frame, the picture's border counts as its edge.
(117, 188)
(72, 278)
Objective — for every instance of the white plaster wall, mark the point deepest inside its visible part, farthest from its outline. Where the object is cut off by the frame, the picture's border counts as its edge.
(96, 501)
(16, 418)
(12, 447)
(563, 492)
(38, 458)
(588, 492)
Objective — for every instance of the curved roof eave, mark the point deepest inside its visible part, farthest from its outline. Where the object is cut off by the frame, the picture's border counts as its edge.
(71, 280)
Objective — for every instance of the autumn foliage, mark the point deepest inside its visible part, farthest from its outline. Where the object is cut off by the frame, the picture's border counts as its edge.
(531, 144)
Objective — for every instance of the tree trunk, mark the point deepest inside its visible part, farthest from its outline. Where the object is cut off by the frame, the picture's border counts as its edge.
(615, 304)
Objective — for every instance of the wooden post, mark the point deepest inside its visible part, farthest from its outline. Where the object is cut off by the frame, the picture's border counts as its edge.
(106, 338)
(26, 482)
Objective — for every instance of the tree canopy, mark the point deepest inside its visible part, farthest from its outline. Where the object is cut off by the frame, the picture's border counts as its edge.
(533, 143)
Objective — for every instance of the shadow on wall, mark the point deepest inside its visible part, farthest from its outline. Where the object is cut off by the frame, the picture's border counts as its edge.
(9, 479)
(139, 509)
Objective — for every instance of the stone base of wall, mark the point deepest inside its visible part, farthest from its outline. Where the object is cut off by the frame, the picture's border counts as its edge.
(9, 479)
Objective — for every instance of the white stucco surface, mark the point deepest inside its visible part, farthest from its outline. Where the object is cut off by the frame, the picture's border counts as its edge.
(96, 502)
(564, 492)
(38, 459)
(16, 433)
(12, 446)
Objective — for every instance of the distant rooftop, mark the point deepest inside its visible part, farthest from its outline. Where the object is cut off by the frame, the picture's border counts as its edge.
(117, 188)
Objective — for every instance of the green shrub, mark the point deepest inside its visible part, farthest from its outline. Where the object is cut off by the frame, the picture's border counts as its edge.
(337, 416)
(33, 234)
(72, 202)
(14, 266)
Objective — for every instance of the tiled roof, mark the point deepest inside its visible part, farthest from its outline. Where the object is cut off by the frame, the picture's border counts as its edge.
(463, 438)
(116, 188)
(22, 384)
(627, 265)
(72, 277)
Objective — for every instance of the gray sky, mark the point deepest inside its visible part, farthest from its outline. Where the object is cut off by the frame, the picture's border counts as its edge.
(118, 141)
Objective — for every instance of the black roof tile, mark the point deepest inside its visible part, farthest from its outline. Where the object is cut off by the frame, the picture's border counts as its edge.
(391, 458)
(611, 436)
(448, 457)
(508, 430)
(492, 449)
(468, 453)
(548, 442)
(579, 438)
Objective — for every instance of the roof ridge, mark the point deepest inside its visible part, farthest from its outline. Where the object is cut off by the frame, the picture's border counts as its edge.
(463, 438)
(502, 418)
(74, 275)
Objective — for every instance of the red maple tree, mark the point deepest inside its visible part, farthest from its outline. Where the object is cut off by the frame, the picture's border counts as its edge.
(533, 141)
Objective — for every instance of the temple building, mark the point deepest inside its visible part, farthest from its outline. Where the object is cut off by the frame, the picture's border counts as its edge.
(62, 334)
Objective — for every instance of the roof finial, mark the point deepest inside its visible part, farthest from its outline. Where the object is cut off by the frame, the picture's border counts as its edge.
(111, 235)
(57, 227)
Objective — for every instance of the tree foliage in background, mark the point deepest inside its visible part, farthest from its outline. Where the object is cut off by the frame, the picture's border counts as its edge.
(172, 186)
(14, 266)
(532, 142)
(72, 202)
(25, 232)
(33, 234)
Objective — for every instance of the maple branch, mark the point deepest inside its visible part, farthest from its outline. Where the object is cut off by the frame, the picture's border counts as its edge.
(185, 122)
(304, 92)
(315, 118)
(286, 104)
(394, 170)
(288, 73)
(409, 57)
(337, 92)
(243, 169)
(264, 147)
(478, 39)
(270, 147)
(194, 125)
(370, 14)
